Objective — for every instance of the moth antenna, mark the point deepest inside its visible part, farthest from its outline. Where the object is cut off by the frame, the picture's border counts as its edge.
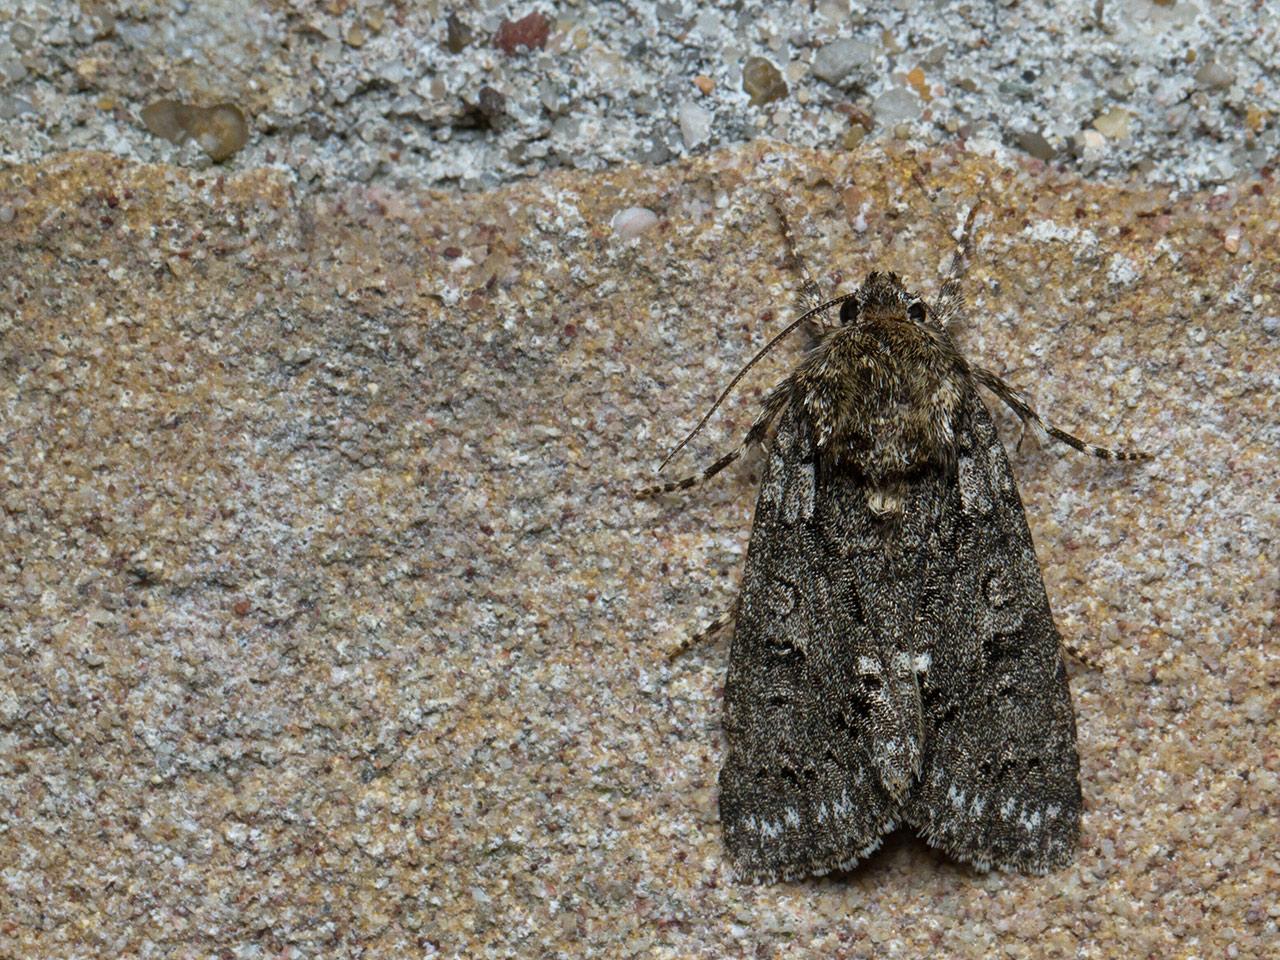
(950, 302)
(803, 318)
(917, 177)
(964, 248)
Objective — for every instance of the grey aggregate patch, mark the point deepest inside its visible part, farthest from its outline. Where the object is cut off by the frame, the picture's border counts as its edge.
(1181, 92)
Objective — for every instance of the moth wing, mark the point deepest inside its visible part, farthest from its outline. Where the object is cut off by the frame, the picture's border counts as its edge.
(999, 783)
(799, 789)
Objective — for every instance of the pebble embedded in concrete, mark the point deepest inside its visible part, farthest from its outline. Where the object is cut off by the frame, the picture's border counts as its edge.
(695, 124)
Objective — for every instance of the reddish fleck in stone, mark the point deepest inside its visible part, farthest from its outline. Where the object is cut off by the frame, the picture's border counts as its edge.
(529, 32)
(241, 607)
(451, 253)
(570, 330)
(856, 115)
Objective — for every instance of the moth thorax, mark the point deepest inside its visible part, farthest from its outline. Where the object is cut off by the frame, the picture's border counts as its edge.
(882, 398)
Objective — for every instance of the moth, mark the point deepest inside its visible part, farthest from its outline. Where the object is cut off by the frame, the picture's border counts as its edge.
(894, 661)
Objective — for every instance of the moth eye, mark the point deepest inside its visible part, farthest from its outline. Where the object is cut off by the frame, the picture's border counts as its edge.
(916, 312)
(848, 312)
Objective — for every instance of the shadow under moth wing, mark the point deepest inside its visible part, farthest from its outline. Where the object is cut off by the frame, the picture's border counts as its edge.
(894, 661)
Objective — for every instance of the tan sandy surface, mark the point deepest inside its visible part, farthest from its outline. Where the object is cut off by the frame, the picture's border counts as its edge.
(329, 626)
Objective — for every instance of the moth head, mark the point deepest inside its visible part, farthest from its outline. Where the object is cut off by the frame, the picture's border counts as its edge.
(883, 297)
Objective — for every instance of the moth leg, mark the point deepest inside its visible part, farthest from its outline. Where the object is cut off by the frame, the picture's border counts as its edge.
(1027, 414)
(710, 630)
(759, 430)
(686, 483)
(810, 294)
(1077, 654)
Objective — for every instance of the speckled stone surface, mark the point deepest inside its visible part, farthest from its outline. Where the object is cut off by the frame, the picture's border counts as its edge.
(329, 625)
(473, 94)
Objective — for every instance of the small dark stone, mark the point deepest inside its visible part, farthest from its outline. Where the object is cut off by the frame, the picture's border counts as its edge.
(1035, 144)
(458, 35)
(221, 130)
(491, 104)
(763, 81)
(167, 119)
(653, 151)
(486, 112)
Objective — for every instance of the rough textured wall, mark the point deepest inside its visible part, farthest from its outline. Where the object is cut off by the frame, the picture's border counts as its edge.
(329, 625)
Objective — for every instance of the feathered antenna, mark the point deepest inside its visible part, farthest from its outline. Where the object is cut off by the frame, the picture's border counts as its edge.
(803, 318)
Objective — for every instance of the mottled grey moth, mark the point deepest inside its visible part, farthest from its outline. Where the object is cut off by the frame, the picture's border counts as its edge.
(894, 661)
